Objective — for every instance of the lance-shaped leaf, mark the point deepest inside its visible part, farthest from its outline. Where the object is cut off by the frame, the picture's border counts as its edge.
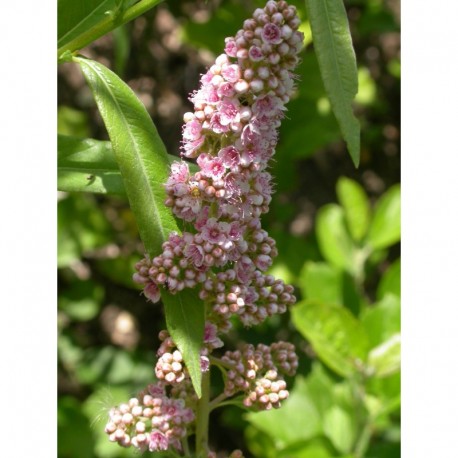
(184, 316)
(88, 165)
(336, 57)
(143, 162)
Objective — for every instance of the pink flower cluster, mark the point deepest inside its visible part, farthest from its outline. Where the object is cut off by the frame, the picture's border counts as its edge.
(232, 133)
(256, 372)
(152, 421)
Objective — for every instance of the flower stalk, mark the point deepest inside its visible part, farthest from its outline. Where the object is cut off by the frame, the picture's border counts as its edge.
(202, 418)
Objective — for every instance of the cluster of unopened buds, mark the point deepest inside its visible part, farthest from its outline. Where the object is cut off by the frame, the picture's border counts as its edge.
(152, 421)
(232, 133)
(256, 372)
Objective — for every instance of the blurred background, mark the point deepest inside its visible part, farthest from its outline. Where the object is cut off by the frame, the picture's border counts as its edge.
(336, 229)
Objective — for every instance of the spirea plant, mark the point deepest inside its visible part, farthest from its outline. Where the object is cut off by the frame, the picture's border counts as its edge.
(207, 254)
(232, 133)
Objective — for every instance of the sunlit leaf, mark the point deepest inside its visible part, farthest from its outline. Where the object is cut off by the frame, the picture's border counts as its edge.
(385, 229)
(382, 320)
(329, 284)
(322, 281)
(388, 392)
(318, 447)
(339, 427)
(333, 237)
(356, 206)
(386, 358)
(335, 334)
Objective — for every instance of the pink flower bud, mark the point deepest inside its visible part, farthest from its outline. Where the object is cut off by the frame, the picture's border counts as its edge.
(257, 85)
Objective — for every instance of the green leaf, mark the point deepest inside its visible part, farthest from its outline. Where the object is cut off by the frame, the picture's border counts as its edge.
(322, 282)
(391, 281)
(385, 359)
(333, 237)
(335, 402)
(339, 427)
(335, 334)
(388, 392)
(87, 165)
(385, 229)
(143, 163)
(82, 22)
(382, 320)
(336, 57)
(185, 317)
(138, 150)
(329, 284)
(318, 447)
(356, 206)
(320, 388)
(75, 18)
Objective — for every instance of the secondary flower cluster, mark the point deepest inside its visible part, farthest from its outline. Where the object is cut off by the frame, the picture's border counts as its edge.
(256, 372)
(152, 421)
(232, 134)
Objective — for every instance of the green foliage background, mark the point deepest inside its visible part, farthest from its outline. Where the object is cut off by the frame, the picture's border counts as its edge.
(337, 230)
